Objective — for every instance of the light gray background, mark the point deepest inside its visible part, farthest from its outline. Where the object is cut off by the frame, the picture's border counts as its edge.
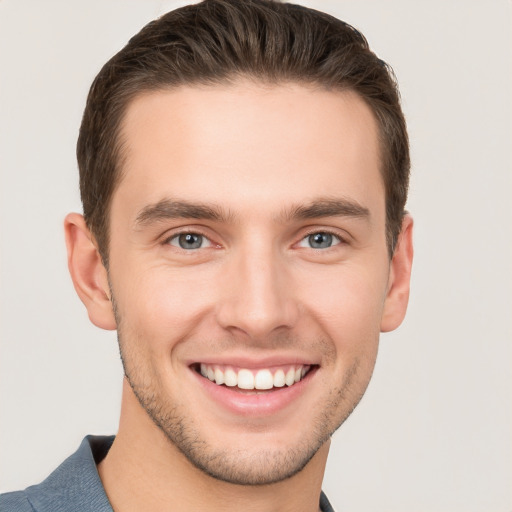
(433, 432)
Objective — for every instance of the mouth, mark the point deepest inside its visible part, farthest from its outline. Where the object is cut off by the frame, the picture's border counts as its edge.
(260, 389)
(254, 379)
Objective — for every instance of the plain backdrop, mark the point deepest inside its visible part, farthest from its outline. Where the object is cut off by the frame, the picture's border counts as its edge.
(433, 432)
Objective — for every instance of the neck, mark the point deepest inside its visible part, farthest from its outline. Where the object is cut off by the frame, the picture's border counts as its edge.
(145, 471)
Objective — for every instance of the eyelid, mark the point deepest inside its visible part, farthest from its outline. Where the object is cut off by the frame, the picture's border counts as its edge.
(192, 230)
(197, 230)
(341, 239)
(205, 241)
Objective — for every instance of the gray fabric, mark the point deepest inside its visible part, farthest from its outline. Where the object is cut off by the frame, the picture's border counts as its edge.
(325, 506)
(75, 485)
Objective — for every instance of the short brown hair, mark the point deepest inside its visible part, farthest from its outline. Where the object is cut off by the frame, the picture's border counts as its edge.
(217, 41)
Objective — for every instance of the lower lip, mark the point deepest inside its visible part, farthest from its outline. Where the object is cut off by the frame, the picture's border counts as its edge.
(257, 403)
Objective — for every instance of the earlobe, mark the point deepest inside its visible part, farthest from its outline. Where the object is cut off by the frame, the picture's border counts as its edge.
(399, 279)
(88, 273)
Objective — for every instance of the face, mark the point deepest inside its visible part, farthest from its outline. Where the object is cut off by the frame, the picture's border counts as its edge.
(249, 269)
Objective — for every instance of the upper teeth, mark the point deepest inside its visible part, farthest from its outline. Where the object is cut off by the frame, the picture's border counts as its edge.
(254, 379)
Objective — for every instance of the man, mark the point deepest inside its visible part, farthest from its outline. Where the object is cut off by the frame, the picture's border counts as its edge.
(243, 172)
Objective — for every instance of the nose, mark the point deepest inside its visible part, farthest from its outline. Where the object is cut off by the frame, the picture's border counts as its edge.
(258, 295)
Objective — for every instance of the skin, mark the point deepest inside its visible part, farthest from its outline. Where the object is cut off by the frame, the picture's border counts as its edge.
(275, 164)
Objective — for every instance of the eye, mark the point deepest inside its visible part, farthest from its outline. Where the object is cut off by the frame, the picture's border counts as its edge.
(189, 241)
(320, 240)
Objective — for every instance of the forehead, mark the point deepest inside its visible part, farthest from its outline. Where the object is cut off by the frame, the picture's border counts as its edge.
(245, 143)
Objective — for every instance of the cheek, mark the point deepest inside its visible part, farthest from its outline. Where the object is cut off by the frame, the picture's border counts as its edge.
(162, 305)
(348, 304)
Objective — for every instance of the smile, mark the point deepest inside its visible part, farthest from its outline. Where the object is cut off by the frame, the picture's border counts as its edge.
(247, 379)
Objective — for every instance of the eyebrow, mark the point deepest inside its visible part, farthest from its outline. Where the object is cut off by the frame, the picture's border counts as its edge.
(322, 207)
(170, 209)
(327, 207)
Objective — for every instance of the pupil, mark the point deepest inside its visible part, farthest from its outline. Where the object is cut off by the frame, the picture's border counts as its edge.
(320, 240)
(190, 241)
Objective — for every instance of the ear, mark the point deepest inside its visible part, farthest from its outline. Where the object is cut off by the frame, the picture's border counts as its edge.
(397, 296)
(88, 273)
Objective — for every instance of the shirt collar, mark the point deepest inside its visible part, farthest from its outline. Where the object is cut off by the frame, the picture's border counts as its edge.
(75, 484)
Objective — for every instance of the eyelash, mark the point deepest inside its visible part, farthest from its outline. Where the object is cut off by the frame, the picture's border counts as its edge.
(332, 233)
(168, 240)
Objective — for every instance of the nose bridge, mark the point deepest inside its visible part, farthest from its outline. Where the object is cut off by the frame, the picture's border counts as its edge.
(258, 297)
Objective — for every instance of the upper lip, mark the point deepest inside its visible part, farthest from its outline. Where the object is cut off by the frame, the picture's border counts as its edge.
(255, 362)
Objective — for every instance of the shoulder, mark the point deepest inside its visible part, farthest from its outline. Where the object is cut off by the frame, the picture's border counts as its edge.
(74, 485)
(15, 502)
(325, 506)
